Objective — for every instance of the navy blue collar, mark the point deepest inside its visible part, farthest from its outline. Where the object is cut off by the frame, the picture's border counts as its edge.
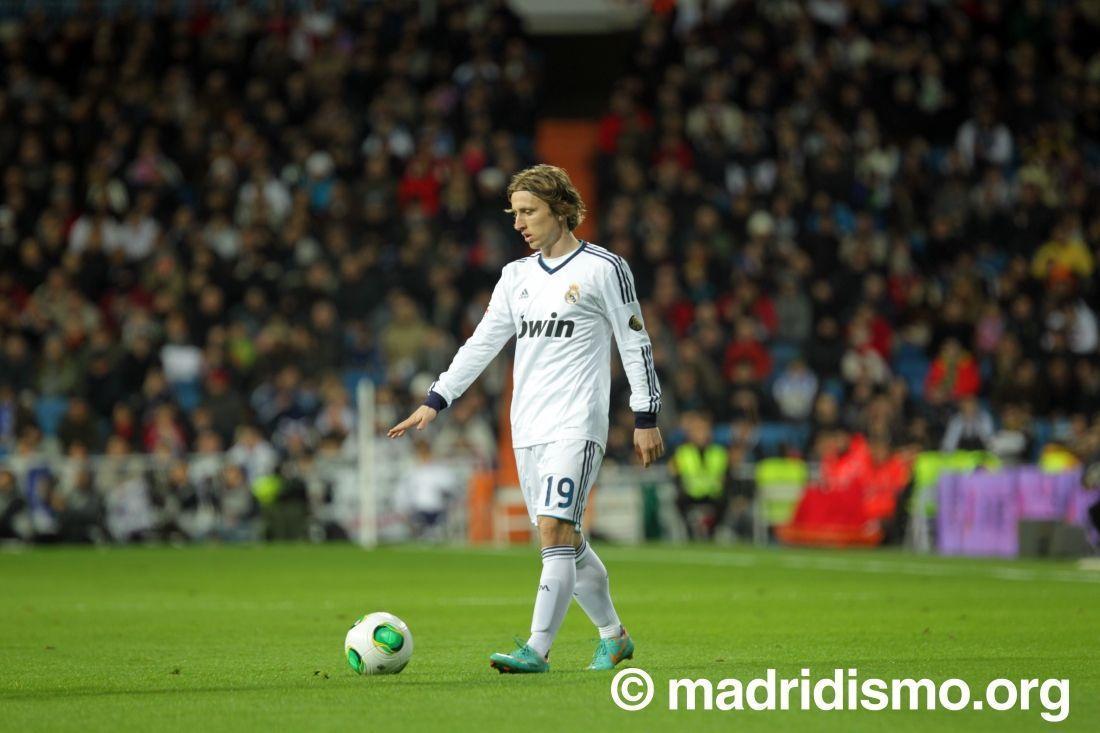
(575, 252)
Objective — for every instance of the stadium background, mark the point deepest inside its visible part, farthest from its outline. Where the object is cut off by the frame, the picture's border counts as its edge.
(238, 239)
(845, 218)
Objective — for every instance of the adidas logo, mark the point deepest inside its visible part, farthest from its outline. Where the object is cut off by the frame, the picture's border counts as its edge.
(523, 295)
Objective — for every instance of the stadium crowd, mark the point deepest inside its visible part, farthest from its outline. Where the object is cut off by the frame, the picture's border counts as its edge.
(856, 216)
(213, 224)
(847, 215)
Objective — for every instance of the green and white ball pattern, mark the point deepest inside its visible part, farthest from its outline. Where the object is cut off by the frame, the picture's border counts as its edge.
(378, 643)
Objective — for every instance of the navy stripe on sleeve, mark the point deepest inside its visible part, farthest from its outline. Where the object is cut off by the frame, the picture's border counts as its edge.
(624, 291)
(622, 268)
(648, 381)
(651, 379)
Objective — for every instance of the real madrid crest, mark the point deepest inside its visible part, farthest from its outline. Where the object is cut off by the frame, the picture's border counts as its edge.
(573, 294)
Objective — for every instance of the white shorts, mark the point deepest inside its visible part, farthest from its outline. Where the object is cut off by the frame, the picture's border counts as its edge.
(556, 478)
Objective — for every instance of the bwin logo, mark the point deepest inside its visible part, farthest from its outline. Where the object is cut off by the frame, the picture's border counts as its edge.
(546, 329)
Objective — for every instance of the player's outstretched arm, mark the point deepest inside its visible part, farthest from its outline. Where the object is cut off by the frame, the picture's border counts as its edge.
(648, 445)
(420, 418)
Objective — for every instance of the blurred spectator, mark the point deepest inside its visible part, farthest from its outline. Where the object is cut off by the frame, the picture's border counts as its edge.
(130, 512)
(103, 383)
(79, 427)
(405, 333)
(971, 428)
(13, 417)
(286, 517)
(80, 511)
(700, 467)
(826, 351)
(746, 349)
(336, 417)
(239, 517)
(426, 490)
(253, 454)
(179, 357)
(861, 361)
(1064, 255)
(227, 407)
(17, 366)
(984, 140)
(742, 490)
(794, 391)
(13, 522)
(1013, 442)
(794, 312)
(466, 432)
(58, 370)
(954, 372)
(164, 431)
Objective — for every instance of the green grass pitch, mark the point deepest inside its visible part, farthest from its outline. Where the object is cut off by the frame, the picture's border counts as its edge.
(250, 638)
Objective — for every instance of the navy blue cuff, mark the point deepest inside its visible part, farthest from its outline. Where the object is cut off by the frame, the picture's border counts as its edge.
(436, 401)
(645, 419)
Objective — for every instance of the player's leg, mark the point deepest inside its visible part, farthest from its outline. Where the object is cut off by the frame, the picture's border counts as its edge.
(555, 498)
(593, 594)
(536, 466)
(593, 591)
(558, 538)
(566, 469)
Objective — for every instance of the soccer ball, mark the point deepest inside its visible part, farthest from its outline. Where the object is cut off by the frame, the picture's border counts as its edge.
(378, 643)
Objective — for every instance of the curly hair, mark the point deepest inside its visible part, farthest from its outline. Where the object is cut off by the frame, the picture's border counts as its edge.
(551, 184)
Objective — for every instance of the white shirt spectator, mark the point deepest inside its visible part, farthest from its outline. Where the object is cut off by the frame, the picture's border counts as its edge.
(1083, 335)
(223, 238)
(137, 237)
(257, 457)
(82, 232)
(979, 143)
(275, 195)
(859, 362)
(182, 362)
(795, 390)
(970, 429)
(427, 487)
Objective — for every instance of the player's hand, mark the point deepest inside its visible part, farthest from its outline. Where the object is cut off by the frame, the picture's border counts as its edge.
(648, 445)
(420, 417)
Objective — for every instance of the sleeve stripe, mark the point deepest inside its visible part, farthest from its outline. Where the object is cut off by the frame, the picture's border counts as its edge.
(651, 379)
(656, 383)
(625, 291)
(622, 268)
(618, 272)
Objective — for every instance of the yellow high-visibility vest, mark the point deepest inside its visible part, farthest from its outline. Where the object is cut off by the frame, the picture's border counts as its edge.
(701, 471)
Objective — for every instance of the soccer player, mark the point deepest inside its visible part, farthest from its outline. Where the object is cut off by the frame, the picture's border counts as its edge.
(562, 303)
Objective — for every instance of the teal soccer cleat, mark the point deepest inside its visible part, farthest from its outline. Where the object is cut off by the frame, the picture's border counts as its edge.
(610, 652)
(524, 660)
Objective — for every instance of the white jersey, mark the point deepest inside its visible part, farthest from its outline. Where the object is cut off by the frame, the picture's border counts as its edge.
(563, 318)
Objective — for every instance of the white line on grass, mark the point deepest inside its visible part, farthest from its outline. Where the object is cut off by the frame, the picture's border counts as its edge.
(864, 566)
(936, 568)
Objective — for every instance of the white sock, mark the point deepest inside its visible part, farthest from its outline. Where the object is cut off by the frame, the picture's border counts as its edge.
(593, 593)
(559, 575)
